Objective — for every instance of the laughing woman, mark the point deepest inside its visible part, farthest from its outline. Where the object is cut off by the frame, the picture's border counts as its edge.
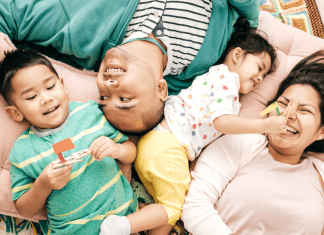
(256, 184)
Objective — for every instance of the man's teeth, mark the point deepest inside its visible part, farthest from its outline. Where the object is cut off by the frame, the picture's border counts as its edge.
(291, 129)
(114, 70)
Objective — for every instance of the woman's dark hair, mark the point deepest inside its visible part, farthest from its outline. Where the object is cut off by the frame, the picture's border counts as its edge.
(250, 41)
(310, 72)
(15, 61)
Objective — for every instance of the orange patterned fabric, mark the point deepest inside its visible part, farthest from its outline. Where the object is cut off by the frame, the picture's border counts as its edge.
(301, 14)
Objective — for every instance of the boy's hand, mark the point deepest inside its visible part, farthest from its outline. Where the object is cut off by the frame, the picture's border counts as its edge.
(104, 147)
(51, 178)
(276, 124)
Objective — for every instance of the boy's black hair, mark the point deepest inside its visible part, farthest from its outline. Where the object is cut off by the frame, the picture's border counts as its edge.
(250, 41)
(309, 72)
(15, 61)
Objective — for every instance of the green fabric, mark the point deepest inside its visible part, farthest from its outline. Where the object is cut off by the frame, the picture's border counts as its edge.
(152, 40)
(87, 29)
(48, 51)
(80, 28)
(100, 188)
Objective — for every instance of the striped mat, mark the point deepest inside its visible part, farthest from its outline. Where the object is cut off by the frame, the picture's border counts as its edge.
(302, 14)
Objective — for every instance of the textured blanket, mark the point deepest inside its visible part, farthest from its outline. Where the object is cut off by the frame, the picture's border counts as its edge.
(301, 14)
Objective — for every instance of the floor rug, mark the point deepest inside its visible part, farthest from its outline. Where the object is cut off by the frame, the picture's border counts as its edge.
(302, 14)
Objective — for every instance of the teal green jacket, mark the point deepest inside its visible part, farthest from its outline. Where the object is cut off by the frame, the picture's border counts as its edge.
(85, 29)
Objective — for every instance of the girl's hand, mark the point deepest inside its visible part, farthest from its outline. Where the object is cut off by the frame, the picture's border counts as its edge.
(276, 124)
(54, 179)
(104, 147)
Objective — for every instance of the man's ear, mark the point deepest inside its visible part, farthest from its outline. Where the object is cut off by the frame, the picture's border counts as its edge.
(163, 89)
(14, 113)
(237, 54)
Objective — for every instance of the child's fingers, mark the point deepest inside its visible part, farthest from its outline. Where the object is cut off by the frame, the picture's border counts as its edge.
(99, 151)
(284, 129)
(102, 152)
(94, 149)
(58, 162)
(60, 168)
(92, 145)
(62, 180)
(105, 153)
(58, 165)
(96, 145)
(291, 110)
(287, 111)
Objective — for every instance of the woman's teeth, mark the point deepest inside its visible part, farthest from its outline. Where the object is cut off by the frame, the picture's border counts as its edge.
(113, 70)
(291, 130)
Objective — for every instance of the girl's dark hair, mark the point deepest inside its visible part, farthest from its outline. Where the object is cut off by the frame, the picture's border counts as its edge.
(250, 41)
(15, 61)
(310, 72)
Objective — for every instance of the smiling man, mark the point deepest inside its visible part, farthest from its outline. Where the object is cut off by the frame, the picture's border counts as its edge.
(162, 38)
(131, 87)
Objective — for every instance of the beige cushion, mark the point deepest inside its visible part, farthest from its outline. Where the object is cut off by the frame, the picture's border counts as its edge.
(292, 43)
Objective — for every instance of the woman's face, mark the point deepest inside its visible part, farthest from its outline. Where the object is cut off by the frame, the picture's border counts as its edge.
(304, 120)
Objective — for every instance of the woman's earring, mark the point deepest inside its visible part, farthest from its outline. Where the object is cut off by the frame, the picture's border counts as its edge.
(320, 137)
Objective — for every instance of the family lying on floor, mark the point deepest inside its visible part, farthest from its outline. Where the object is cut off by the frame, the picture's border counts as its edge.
(251, 176)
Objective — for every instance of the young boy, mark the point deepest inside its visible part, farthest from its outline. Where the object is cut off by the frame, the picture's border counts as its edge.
(193, 119)
(77, 198)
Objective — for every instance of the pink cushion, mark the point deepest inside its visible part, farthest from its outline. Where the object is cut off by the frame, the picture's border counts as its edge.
(292, 44)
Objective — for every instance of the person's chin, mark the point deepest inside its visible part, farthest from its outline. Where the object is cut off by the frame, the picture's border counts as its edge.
(246, 90)
(283, 139)
(57, 119)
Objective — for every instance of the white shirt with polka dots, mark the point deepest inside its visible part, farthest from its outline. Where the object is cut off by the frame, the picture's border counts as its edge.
(190, 114)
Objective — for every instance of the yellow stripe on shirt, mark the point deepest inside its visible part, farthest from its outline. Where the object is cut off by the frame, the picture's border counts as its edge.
(33, 159)
(101, 190)
(118, 137)
(79, 171)
(78, 109)
(25, 136)
(90, 130)
(101, 217)
(51, 151)
(21, 188)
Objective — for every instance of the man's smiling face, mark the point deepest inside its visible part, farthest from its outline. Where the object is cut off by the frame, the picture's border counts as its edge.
(128, 91)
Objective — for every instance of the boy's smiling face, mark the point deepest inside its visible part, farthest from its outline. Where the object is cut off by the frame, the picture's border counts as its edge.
(39, 96)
